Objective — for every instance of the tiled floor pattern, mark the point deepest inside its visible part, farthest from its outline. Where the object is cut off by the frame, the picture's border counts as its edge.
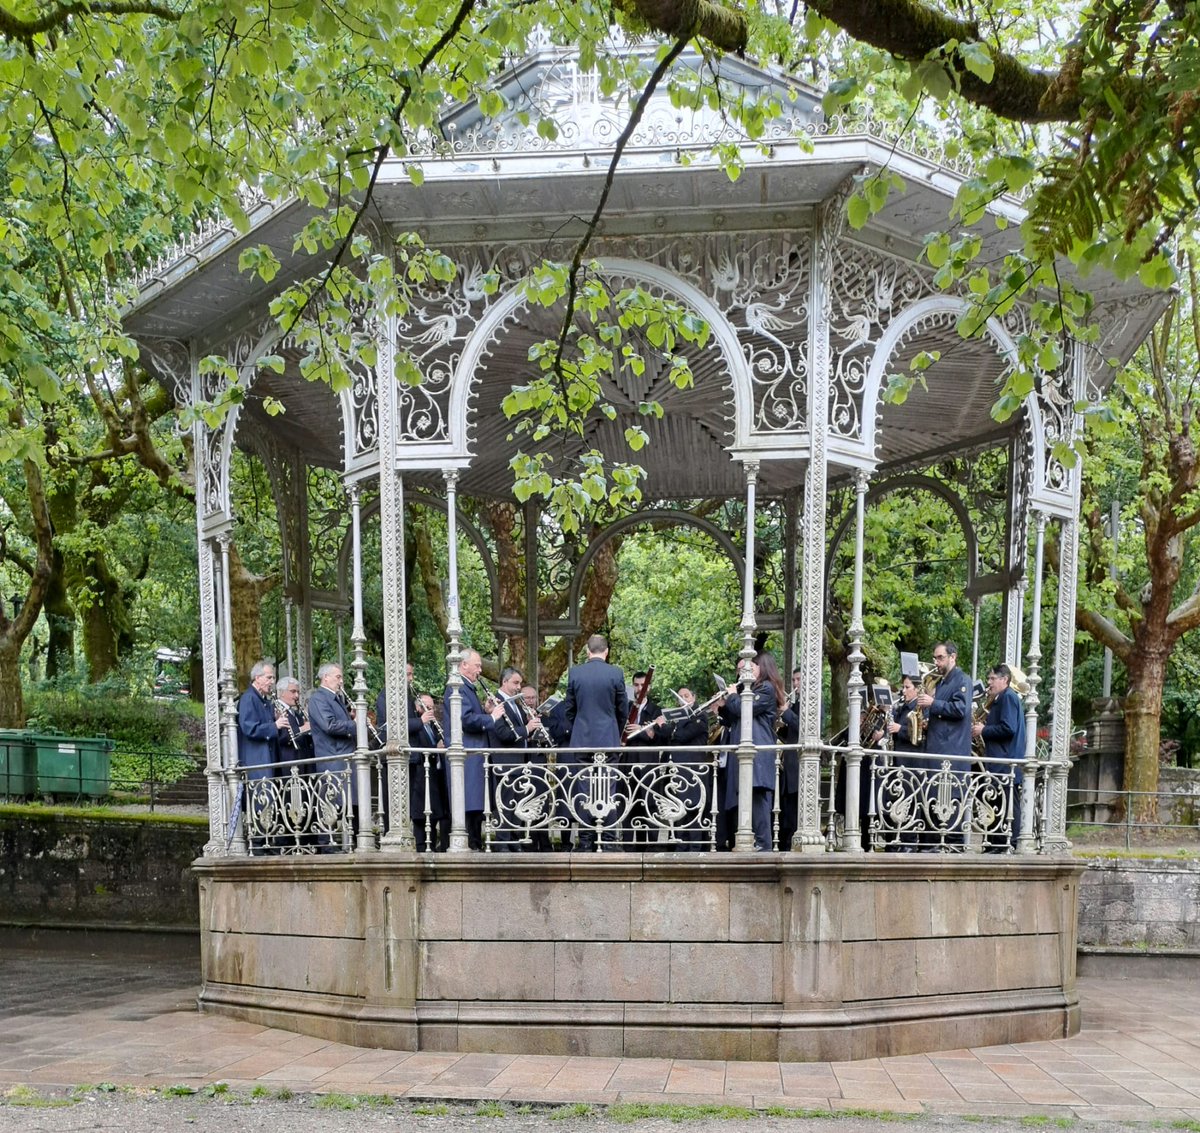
(1137, 1057)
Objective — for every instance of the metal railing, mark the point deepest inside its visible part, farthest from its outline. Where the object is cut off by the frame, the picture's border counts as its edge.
(1178, 813)
(612, 800)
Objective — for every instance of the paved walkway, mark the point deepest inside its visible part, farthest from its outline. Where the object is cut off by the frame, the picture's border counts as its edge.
(114, 1009)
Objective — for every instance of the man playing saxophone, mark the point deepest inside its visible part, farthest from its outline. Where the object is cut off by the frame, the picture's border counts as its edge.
(1003, 732)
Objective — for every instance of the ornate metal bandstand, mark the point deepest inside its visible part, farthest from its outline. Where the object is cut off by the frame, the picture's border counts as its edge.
(808, 319)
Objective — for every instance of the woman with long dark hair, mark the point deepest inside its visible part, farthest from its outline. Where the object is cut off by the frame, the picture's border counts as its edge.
(768, 700)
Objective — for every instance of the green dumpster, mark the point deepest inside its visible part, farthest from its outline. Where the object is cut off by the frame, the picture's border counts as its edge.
(18, 764)
(69, 765)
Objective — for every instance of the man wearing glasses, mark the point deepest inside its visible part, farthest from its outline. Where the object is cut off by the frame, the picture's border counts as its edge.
(948, 733)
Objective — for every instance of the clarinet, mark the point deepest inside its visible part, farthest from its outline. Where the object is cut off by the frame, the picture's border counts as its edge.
(281, 709)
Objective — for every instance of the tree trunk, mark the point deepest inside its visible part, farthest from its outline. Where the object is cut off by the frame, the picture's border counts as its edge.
(107, 630)
(1143, 712)
(245, 607)
(598, 590)
(60, 621)
(12, 699)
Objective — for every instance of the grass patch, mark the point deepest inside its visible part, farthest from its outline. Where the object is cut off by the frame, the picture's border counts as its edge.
(353, 1101)
(29, 1098)
(1040, 1120)
(1187, 1124)
(39, 812)
(260, 1092)
(627, 1112)
(564, 1112)
(833, 1114)
(283, 1094)
(439, 1110)
(178, 1091)
(490, 1109)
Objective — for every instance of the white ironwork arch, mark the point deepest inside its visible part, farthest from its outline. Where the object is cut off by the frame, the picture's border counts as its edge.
(914, 315)
(570, 624)
(920, 483)
(247, 376)
(724, 336)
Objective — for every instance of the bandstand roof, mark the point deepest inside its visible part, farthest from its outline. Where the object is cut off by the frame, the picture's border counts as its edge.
(495, 192)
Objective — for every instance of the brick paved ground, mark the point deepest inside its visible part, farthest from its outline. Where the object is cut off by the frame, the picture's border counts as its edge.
(85, 1008)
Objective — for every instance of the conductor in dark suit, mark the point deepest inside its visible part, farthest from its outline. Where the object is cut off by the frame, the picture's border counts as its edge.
(597, 708)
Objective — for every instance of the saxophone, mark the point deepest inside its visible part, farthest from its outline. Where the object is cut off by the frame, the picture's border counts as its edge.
(979, 713)
(918, 720)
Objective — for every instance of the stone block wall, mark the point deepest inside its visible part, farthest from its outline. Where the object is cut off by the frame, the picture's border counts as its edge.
(1131, 902)
(755, 957)
(64, 870)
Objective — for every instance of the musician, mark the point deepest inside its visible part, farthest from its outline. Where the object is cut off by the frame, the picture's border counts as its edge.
(899, 728)
(789, 780)
(333, 732)
(691, 732)
(597, 708)
(1003, 733)
(529, 697)
(295, 741)
(477, 733)
(643, 723)
(768, 699)
(426, 743)
(948, 728)
(948, 708)
(259, 725)
(512, 729)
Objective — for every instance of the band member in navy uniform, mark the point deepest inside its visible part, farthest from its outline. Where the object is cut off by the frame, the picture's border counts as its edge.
(597, 708)
(512, 729)
(768, 699)
(692, 733)
(948, 731)
(641, 735)
(259, 725)
(427, 743)
(477, 733)
(295, 741)
(334, 733)
(789, 779)
(1003, 733)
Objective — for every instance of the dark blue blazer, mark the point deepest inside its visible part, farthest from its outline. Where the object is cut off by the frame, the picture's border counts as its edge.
(597, 705)
(1004, 729)
(949, 729)
(476, 734)
(258, 738)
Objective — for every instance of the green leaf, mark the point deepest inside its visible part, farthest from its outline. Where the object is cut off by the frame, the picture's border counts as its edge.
(858, 212)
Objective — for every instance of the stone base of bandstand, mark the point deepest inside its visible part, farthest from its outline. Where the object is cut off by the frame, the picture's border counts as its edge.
(772, 957)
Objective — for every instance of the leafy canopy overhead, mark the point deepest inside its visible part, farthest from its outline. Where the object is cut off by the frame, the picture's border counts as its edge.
(123, 122)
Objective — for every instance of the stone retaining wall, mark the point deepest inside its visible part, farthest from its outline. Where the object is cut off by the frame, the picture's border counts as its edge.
(1140, 902)
(57, 869)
